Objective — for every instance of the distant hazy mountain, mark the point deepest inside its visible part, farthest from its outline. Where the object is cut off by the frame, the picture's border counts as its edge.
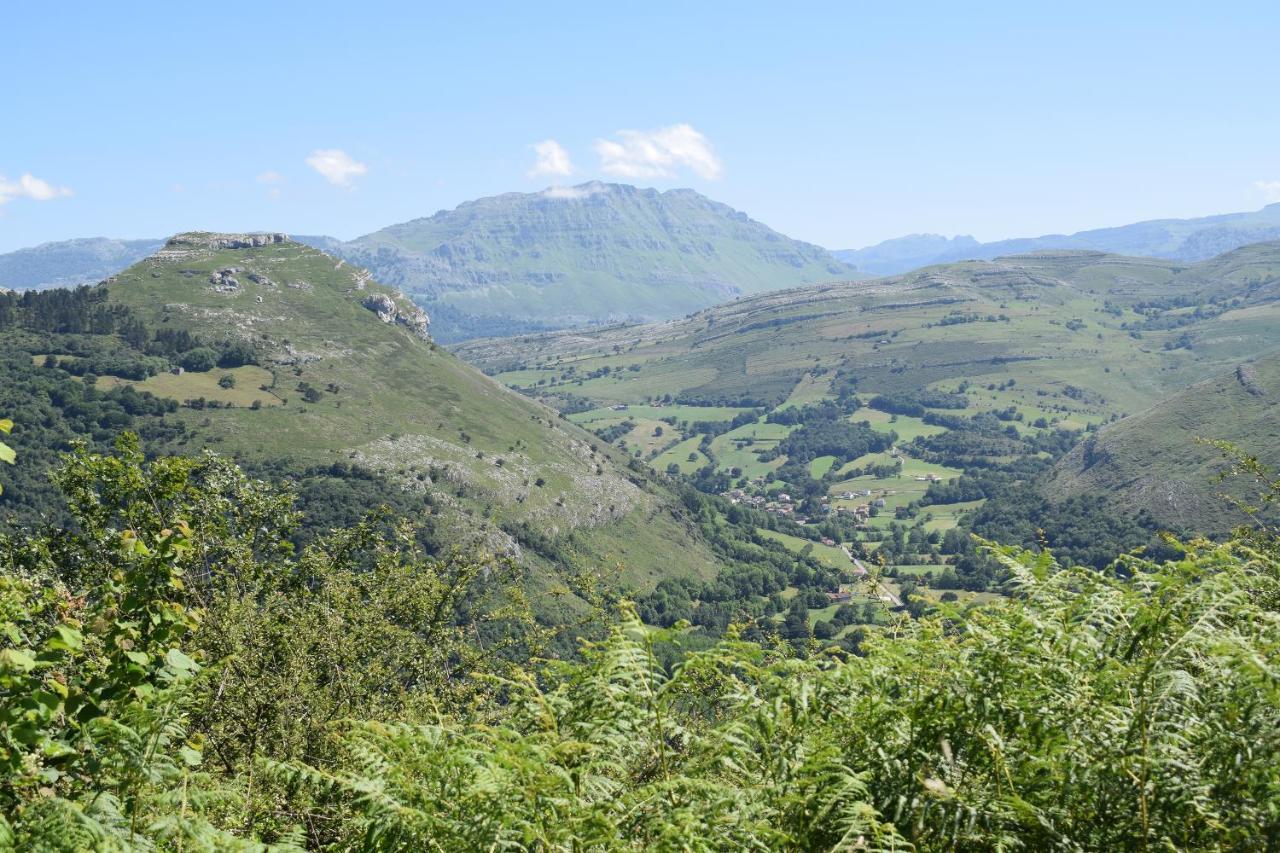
(586, 254)
(1175, 239)
(68, 262)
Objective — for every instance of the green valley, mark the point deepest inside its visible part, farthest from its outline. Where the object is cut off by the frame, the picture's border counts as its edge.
(978, 376)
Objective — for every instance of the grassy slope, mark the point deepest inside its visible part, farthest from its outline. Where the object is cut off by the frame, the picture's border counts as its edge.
(404, 406)
(1153, 460)
(770, 344)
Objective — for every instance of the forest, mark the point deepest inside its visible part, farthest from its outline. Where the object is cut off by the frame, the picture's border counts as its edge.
(178, 673)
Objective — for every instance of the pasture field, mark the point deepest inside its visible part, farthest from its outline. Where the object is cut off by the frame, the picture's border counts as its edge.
(249, 381)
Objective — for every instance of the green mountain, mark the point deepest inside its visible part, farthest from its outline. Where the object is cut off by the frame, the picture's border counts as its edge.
(298, 364)
(1175, 239)
(1153, 460)
(586, 254)
(70, 262)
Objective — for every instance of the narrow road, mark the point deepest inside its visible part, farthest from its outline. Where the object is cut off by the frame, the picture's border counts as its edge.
(886, 594)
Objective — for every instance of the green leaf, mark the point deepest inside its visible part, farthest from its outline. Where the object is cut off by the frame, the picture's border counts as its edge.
(140, 658)
(191, 756)
(17, 659)
(67, 638)
(179, 661)
(57, 749)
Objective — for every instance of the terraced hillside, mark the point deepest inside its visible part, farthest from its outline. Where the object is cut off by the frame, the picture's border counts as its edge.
(1085, 335)
(1153, 460)
(980, 374)
(341, 372)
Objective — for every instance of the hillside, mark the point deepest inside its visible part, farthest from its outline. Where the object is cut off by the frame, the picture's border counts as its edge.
(1121, 330)
(1175, 239)
(321, 368)
(70, 262)
(587, 254)
(1153, 460)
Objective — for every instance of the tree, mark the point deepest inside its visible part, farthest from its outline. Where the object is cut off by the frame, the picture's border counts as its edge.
(226, 381)
(199, 360)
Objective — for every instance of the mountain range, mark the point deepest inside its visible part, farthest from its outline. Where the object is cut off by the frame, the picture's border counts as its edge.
(518, 262)
(66, 263)
(603, 253)
(1174, 239)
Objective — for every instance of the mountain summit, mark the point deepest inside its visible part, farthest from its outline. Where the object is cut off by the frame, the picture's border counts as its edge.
(591, 253)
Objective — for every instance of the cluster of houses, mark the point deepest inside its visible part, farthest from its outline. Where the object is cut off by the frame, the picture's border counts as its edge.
(785, 506)
(781, 505)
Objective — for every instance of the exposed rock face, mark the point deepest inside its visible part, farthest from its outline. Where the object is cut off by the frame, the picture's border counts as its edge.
(195, 243)
(412, 317)
(203, 240)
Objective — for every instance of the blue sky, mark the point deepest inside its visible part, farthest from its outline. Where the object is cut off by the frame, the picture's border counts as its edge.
(839, 123)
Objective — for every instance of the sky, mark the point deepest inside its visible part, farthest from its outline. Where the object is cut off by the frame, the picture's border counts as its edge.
(839, 123)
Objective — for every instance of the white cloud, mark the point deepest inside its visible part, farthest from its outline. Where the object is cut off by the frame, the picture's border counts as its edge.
(336, 166)
(659, 153)
(552, 159)
(1271, 189)
(29, 186)
(578, 192)
(272, 179)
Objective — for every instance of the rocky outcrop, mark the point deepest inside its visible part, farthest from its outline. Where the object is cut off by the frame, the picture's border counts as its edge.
(1247, 375)
(382, 305)
(388, 311)
(225, 281)
(196, 243)
(205, 240)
